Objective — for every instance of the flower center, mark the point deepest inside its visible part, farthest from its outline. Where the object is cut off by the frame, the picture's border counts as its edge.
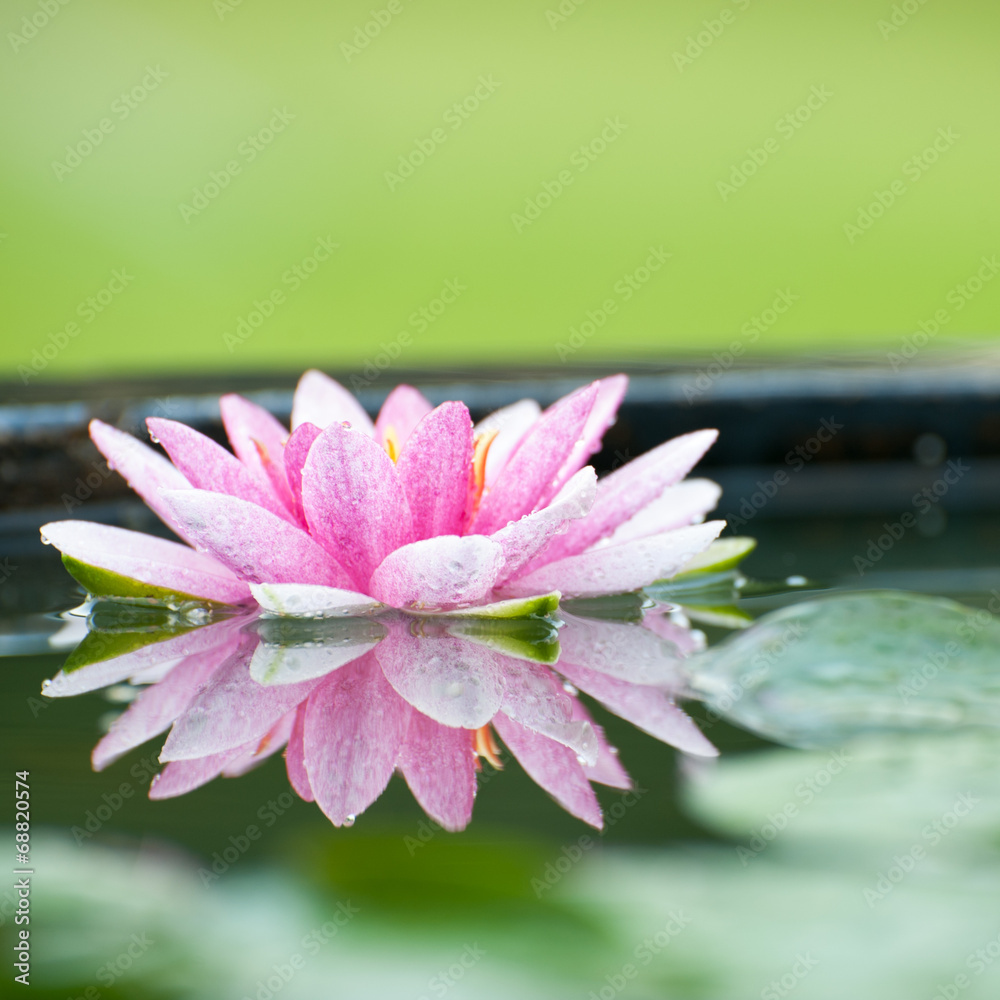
(481, 448)
(486, 747)
(391, 442)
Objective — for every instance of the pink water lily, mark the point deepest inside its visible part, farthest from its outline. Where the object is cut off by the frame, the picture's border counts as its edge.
(420, 510)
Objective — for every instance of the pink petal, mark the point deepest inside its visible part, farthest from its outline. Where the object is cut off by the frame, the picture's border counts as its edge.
(100, 674)
(258, 440)
(254, 543)
(618, 569)
(145, 470)
(231, 710)
(608, 770)
(535, 464)
(296, 452)
(523, 539)
(534, 698)
(150, 560)
(274, 740)
(610, 392)
(621, 649)
(182, 776)
(158, 705)
(402, 410)
(552, 766)
(650, 709)
(208, 466)
(434, 467)
(439, 766)
(629, 489)
(677, 506)
(511, 424)
(321, 400)
(453, 682)
(355, 724)
(295, 759)
(438, 573)
(354, 501)
(657, 620)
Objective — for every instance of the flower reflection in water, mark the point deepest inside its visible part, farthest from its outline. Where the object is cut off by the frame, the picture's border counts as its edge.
(351, 699)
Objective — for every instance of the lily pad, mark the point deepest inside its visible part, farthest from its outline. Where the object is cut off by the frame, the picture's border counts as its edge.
(821, 672)
(723, 553)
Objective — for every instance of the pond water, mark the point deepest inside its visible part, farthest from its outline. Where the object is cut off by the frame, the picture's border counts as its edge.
(843, 843)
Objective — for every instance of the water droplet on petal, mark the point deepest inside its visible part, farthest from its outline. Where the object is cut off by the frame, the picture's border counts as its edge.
(350, 820)
(581, 760)
(570, 689)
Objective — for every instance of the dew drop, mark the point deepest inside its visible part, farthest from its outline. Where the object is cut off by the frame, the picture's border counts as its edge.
(613, 751)
(45, 540)
(154, 439)
(570, 689)
(46, 685)
(350, 820)
(581, 760)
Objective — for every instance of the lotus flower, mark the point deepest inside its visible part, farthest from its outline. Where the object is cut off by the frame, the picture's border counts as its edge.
(354, 699)
(419, 511)
(428, 533)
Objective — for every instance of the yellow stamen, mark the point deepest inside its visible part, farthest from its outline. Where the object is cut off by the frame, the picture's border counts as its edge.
(481, 450)
(391, 442)
(486, 747)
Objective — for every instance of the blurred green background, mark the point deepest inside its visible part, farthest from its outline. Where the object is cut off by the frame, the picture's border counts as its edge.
(119, 115)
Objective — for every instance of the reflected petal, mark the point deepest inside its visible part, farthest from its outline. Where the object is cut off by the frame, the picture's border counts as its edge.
(650, 709)
(552, 766)
(455, 683)
(354, 727)
(533, 697)
(233, 709)
(438, 764)
(622, 650)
